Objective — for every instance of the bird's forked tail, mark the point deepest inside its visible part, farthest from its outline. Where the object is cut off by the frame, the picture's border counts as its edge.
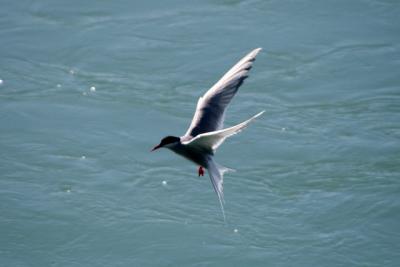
(216, 173)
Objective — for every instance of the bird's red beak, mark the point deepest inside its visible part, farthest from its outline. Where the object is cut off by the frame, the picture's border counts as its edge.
(156, 147)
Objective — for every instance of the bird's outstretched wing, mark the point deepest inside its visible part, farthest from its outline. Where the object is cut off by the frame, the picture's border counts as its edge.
(209, 114)
(209, 142)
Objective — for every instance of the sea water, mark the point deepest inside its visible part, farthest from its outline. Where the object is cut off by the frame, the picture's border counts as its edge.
(89, 87)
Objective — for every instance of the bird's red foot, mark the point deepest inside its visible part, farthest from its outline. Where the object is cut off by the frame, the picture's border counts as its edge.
(201, 171)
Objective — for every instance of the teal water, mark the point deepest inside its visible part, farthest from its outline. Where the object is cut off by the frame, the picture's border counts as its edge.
(317, 181)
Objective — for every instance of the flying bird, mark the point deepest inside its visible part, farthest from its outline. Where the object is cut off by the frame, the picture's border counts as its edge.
(206, 133)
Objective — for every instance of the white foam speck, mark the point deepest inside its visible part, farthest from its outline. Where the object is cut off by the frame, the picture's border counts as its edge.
(84, 93)
(283, 129)
(92, 89)
(66, 189)
(164, 182)
(72, 72)
(235, 230)
(1, 81)
(58, 85)
(83, 157)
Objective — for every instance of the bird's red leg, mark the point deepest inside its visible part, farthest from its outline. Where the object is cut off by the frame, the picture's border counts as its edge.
(201, 171)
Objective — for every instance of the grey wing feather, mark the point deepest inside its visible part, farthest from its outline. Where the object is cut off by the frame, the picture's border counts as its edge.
(209, 115)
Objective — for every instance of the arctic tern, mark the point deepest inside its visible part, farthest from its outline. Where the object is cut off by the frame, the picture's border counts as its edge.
(206, 133)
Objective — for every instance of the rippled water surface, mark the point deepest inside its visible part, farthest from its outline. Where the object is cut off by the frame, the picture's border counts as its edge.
(88, 87)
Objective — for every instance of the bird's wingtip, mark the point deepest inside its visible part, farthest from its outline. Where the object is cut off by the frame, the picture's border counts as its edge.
(259, 114)
(254, 52)
(257, 50)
